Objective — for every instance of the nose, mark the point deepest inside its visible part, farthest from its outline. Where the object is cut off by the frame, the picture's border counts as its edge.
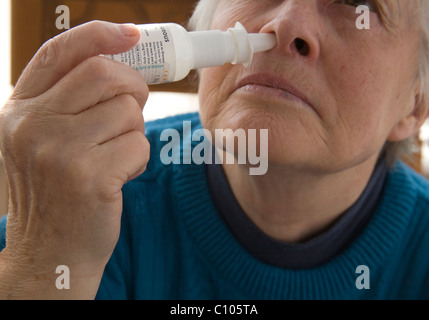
(296, 24)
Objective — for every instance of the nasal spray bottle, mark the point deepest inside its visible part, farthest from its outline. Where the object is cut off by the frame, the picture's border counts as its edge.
(167, 52)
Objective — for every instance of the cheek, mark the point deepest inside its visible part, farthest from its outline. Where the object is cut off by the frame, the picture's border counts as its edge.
(216, 85)
(360, 90)
(369, 104)
(228, 12)
(371, 101)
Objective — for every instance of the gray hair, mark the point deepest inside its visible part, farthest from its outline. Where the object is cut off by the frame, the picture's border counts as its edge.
(202, 18)
(406, 148)
(203, 14)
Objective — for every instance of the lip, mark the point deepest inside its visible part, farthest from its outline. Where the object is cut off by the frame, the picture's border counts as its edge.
(285, 89)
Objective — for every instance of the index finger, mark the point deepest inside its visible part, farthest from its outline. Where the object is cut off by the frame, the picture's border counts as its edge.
(61, 54)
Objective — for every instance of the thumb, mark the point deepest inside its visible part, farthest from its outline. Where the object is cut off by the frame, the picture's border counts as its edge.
(61, 54)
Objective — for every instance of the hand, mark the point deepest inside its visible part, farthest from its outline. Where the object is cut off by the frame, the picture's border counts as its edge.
(72, 134)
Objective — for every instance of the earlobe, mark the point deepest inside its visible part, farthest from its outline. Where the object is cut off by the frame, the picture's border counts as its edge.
(410, 125)
(404, 129)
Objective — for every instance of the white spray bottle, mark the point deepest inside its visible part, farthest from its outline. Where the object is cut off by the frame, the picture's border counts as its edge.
(167, 52)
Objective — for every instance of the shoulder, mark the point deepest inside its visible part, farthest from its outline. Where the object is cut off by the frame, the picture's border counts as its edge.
(408, 192)
(408, 195)
(410, 182)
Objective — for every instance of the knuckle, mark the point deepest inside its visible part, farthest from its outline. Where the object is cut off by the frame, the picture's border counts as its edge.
(135, 111)
(4, 118)
(49, 53)
(144, 145)
(98, 68)
(14, 140)
(19, 139)
(139, 139)
(147, 152)
(47, 158)
(128, 101)
(97, 26)
(130, 106)
(95, 66)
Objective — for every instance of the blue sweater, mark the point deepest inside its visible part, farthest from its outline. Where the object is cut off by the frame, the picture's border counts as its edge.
(174, 244)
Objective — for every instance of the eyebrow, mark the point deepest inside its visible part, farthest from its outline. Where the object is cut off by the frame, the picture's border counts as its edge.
(387, 13)
(390, 12)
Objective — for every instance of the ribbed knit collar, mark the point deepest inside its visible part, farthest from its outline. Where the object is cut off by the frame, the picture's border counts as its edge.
(335, 279)
(312, 253)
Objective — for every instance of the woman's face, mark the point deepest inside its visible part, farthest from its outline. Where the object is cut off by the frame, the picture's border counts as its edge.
(329, 93)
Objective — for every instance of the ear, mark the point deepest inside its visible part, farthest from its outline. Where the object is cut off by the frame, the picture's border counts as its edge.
(411, 124)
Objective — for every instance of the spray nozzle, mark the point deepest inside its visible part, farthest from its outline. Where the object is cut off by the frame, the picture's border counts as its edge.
(248, 44)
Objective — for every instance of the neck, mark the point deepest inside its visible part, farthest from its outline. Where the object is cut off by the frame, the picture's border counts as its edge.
(296, 205)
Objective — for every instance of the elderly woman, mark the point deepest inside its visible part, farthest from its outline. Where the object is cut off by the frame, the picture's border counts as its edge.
(336, 216)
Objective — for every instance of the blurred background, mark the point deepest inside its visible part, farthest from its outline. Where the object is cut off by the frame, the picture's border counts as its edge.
(5, 61)
(26, 24)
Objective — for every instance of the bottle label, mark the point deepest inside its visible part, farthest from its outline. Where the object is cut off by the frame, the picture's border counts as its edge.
(154, 56)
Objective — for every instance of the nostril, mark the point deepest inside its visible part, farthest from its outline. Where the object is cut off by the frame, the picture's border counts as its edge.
(302, 47)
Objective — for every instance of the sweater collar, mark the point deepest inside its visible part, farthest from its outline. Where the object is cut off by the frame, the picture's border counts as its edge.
(310, 254)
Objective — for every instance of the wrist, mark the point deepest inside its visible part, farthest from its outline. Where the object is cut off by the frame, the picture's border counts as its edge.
(26, 281)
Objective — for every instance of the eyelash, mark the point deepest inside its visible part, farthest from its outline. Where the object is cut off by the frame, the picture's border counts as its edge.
(356, 3)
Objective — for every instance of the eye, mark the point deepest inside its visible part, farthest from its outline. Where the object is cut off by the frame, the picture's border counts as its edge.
(357, 3)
